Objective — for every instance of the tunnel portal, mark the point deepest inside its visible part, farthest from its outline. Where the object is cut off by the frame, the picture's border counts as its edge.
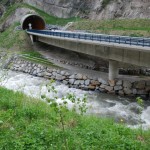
(36, 22)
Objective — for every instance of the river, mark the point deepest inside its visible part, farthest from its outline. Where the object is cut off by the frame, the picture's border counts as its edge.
(99, 104)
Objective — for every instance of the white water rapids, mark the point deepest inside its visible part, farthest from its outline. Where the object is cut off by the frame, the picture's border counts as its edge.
(98, 104)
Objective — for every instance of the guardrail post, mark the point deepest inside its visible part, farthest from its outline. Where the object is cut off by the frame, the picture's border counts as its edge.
(130, 41)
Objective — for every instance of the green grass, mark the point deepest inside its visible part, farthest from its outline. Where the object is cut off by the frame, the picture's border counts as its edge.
(27, 123)
(18, 42)
(131, 27)
(36, 57)
(32, 53)
(11, 38)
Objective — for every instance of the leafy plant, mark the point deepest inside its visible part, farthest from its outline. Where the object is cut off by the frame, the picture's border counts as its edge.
(62, 108)
(141, 104)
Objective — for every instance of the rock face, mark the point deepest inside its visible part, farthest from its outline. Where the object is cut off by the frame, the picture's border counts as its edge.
(15, 17)
(5, 3)
(2, 9)
(94, 9)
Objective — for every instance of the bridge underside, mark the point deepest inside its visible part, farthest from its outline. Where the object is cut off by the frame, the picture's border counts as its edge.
(113, 53)
(124, 55)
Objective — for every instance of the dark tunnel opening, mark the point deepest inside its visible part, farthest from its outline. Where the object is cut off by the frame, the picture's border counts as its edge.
(36, 22)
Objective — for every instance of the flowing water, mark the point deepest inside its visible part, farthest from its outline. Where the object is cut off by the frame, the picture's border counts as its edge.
(99, 104)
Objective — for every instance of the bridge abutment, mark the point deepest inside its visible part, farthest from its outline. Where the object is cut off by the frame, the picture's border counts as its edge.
(113, 69)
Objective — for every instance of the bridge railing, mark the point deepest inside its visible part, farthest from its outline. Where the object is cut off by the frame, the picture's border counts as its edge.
(138, 41)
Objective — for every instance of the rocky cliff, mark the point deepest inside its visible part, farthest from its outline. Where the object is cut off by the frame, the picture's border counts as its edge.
(94, 9)
(5, 3)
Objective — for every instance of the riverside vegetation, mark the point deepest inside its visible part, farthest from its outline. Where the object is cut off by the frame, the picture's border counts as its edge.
(27, 123)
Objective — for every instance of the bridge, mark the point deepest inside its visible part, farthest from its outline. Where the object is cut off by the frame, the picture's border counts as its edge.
(116, 49)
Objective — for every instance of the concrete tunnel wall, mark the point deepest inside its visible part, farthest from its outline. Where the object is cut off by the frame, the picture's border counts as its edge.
(36, 21)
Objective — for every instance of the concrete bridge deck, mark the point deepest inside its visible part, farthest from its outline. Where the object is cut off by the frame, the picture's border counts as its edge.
(116, 49)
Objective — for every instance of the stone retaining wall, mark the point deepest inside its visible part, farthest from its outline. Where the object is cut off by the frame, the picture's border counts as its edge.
(77, 80)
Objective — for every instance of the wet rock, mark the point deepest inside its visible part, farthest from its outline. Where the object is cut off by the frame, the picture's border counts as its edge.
(139, 85)
(141, 92)
(102, 90)
(103, 81)
(102, 86)
(38, 70)
(58, 71)
(91, 87)
(109, 88)
(94, 82)
(118, 87)
(59, 77)
(87, 82)
(65, 82)
(119, 82)
(84, 77)
(147, 83)
(71, 81)
(40, 74)
(121, 92)
(54, 70)
(78, 82)
(127, 84)
(134, 91)
(49, 70)
(67, 74)
(127, 91)
(72, 76)
(79, 76)
(147, 89)
(48, 74)
(112, 82)
(54, 73)
(83, 87)
(111, 92)
(34, 72)
(63, 73)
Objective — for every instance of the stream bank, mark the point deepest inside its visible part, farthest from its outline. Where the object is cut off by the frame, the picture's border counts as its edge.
(31, 78)
(85, 81)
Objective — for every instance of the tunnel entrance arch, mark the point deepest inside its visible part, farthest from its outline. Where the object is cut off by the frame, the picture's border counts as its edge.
(34, 21)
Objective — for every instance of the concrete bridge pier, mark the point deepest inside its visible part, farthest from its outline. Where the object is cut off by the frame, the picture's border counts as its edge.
(31, 37)
(113, 69)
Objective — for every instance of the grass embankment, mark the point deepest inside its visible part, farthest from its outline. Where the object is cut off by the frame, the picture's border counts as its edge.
(27, 123)
(18, 41)
(130, 27)
(36, 57)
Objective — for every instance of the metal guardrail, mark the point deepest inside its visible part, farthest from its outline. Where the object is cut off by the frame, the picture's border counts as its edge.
(138, 41)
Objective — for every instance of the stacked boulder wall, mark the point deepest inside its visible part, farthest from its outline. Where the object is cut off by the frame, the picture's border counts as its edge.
(83, 81)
